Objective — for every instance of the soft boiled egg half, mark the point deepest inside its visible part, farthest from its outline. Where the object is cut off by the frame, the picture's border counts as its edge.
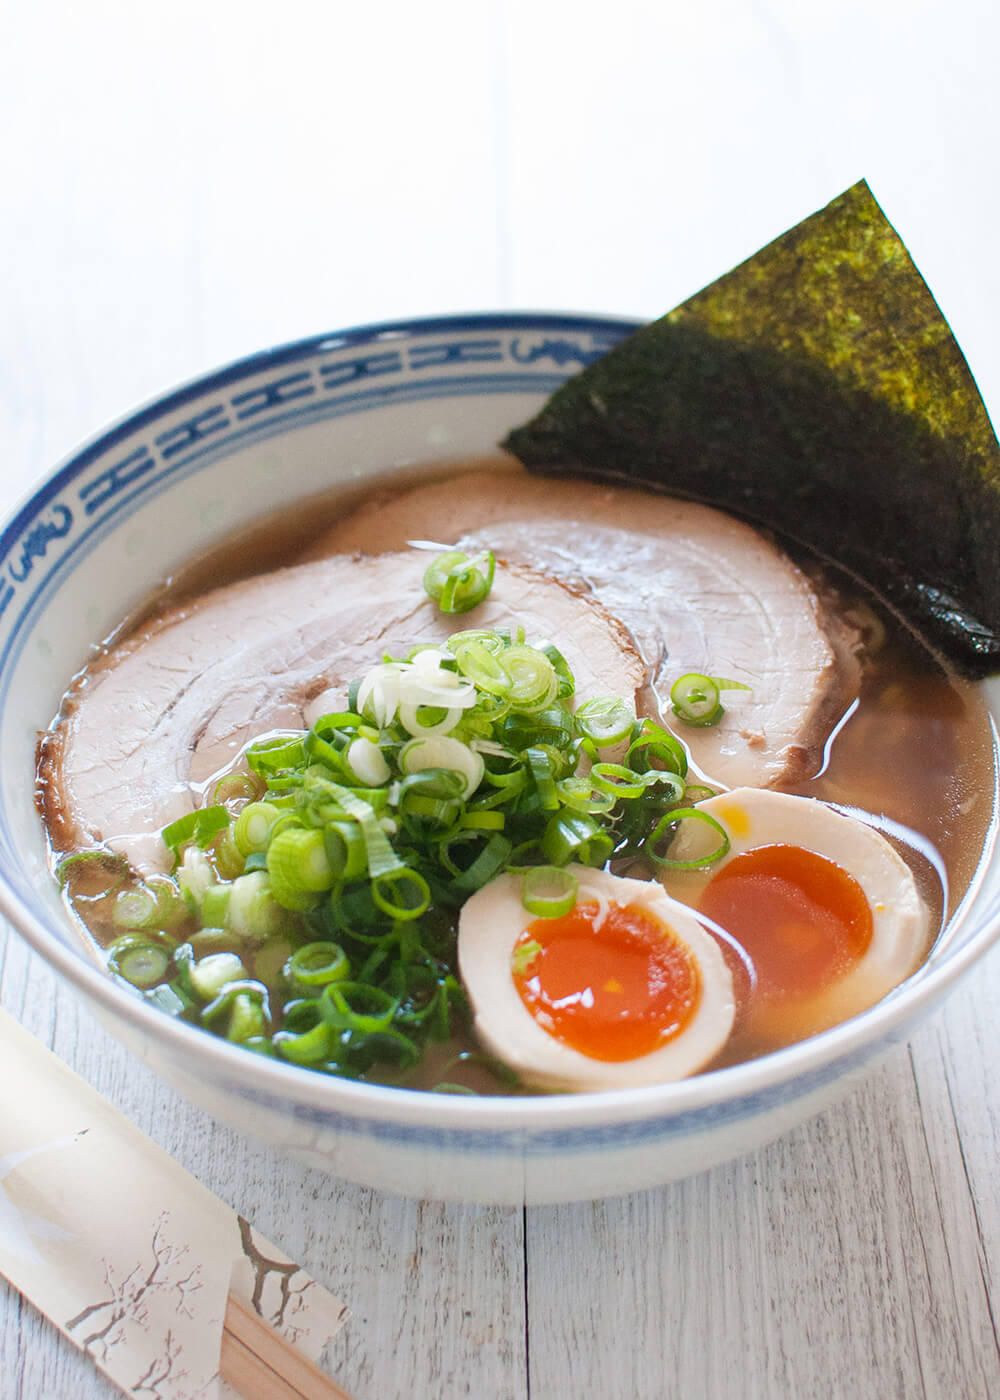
(824, 911)
(625, 989)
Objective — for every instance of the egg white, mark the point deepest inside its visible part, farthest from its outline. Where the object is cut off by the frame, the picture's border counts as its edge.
(753, 817)
(489, 926)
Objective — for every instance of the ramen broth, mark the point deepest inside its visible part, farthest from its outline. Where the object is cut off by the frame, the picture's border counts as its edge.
(914, 756)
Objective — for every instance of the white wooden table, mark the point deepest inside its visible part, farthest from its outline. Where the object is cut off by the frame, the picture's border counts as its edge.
(185, 183)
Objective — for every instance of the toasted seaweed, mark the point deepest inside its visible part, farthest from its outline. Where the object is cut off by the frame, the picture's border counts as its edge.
(816, 389)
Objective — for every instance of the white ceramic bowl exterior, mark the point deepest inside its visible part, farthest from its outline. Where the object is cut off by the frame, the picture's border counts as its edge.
(166, 483)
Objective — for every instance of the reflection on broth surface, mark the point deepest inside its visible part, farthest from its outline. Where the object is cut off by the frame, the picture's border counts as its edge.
(868, 722)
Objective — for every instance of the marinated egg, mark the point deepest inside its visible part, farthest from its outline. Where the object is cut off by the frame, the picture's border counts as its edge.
(625, 989)
(825, 910)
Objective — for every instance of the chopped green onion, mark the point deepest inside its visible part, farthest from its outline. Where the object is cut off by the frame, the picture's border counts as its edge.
(655, 743)
(483, 665)
(606, 721)
(402, 893)
(366, 762)
(210, 940)
(572, 836)
(540, 765)
(437, 571)
(345, 849)
(490, 861)
(356, 1006)
(171, 907)
(548, 892)
(226, 855)
(581, 795)
(245, 1004)
(482, 821)
(273, 755)
(525, 953)
(109, 863)
(447, 753)
(307, 1047)
(194, 877)
(695, 698)
(200, 826)
(616, 779)
(533, 680)
(669, 787)
(697, 792)
(253, 827)
(559, 664)
(135, 908)
(140, 961)
(298, 866)
(214, 910)
(668, 827)
(169, 998)
(458, 583)
(254, 913)
(335, 876)
(317, 964)
(235, 787)
(210, 974)
(552, 726)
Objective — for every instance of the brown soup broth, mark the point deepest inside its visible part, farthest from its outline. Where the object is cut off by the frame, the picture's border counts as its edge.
(914, 755)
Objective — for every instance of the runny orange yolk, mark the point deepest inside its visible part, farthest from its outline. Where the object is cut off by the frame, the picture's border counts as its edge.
(802, 919)
(614, 991)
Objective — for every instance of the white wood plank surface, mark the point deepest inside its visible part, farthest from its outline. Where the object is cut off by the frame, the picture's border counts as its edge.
(183, 184)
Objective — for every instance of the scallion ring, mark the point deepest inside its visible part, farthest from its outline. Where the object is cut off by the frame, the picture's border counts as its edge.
(533, 680)
(695, 697)
(140, 961)
(357, 1006)
(668, 827)
(402, 894)
(306, 1047)
(316, 964)
(615, 778)
(135, 908)
(458, 583)
(656, 744)
(548, 892)
(606, 720)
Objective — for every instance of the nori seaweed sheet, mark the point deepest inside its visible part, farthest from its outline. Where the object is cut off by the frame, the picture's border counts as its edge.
(816, 389)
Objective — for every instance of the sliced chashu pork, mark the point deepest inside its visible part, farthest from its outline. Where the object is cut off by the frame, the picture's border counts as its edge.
(147, 727)
(699, 591)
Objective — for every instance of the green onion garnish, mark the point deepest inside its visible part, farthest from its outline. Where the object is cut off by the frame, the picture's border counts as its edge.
(606, 721)
(316, 964)
(253, 827)
(548, 892)
(668, 828)
(135, 908)
(654, 745)
(320, 891)
(140, 961)
(110, 869)
(199, 826)
(458, 583)
(402, 893)
(695, 698)
(525, 953)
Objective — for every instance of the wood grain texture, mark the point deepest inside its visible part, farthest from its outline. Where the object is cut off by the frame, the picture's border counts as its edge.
(184, 185)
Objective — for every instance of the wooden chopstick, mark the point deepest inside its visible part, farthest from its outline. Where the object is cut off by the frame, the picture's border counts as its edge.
(263, 1365)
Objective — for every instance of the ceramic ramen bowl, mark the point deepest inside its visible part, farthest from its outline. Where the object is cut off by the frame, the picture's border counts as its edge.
(166, 483)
